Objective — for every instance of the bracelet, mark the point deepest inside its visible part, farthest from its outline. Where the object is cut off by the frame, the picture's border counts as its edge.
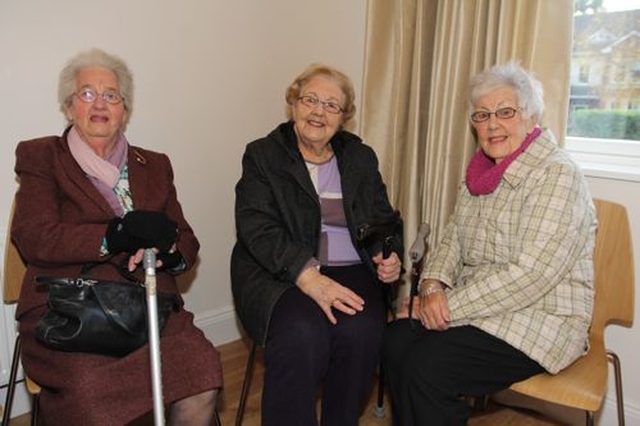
(427, 290)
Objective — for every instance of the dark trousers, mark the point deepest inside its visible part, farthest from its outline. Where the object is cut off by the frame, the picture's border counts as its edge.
(306, 354)
(430, 372)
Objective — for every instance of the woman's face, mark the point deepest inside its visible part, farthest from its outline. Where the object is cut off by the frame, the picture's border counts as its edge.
(314, 125)
(499, 137)
(97, 122)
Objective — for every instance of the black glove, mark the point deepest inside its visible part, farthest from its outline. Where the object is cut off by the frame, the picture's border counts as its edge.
(169, 260)
(117, 239)
(141, 229)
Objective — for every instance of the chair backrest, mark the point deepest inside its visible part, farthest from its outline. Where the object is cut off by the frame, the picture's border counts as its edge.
(14, 268)
(614, 270)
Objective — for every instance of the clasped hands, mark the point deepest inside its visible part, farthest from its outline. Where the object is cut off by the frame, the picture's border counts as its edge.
(430, 306)
(329, 294)
(141, 229)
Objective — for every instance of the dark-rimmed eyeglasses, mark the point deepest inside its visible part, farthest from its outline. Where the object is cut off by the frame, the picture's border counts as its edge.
(502, 113)
(312, 102)
(89, 95)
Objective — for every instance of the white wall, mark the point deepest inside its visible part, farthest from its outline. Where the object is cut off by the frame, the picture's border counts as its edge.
(210, 76)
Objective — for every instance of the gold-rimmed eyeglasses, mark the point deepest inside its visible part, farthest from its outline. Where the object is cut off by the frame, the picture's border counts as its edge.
(109, 96)
(501, 113)
(312, 102)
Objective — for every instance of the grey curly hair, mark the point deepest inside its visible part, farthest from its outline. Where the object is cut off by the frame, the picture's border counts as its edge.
(511, 74)
(95, 58)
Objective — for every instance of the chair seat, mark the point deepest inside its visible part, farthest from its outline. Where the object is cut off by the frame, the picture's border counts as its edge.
(32, 387)
(581, 385)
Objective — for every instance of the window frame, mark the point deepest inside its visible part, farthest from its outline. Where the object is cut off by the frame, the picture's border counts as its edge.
(620, 161)
(598, 157)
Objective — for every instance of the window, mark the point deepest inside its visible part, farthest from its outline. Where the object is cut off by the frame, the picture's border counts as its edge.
(620, 74)
(603, 131)
(584, 74)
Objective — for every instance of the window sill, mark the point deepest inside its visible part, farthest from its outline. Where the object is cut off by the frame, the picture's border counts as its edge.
(608, 159)
(612, 173)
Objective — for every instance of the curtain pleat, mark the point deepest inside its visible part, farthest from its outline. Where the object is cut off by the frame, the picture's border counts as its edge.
(420, 55)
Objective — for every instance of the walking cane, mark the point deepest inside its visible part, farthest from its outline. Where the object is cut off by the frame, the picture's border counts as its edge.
(416, 253)
(149, 262)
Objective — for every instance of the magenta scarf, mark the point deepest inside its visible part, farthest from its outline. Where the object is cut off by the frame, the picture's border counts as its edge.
(484, 175)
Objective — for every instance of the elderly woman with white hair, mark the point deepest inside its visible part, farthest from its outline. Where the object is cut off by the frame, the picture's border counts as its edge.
(89, 199)
(508, 291)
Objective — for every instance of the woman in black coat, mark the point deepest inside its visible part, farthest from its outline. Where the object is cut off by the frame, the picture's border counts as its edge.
(304, 286)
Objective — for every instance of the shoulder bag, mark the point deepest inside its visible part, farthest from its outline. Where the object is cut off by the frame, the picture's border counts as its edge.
(98, 316)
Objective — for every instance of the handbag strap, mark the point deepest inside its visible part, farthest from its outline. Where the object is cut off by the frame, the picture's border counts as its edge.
(84, 274)
(121, 268)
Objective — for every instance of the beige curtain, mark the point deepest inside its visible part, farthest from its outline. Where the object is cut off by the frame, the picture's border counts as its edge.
(420, 55)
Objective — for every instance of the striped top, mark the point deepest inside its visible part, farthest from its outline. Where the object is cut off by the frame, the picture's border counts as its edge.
(336, 247)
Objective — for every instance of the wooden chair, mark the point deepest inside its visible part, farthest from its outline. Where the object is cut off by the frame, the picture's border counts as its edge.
(14, 269)
(583, 384)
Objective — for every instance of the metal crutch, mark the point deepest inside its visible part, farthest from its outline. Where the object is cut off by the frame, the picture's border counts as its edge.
(416, 253)
(149, 263)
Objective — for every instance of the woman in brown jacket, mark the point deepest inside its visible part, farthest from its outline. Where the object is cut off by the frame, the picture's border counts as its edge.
(79, 195)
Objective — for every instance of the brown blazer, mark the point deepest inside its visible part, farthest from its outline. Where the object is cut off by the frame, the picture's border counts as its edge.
(58, 224)
(60, 218)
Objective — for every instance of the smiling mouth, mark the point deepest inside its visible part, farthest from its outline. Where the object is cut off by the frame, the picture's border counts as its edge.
(497, 139)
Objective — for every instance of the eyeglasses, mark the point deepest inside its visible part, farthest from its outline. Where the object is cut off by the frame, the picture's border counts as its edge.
(502, 113)
(89, 95)
(312, 102)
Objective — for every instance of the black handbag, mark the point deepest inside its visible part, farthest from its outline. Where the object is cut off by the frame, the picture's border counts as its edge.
(98, 316)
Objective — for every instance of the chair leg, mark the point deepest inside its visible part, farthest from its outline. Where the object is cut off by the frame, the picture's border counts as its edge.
(246, 384)
(590, 418)
(35, 406)
(217, 419)
(617, 370)
(11, 387)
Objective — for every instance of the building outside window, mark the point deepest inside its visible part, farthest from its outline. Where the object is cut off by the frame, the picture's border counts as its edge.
(604, 114)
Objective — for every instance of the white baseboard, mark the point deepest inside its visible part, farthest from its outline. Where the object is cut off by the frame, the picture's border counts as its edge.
(219, 325)
(608, 415)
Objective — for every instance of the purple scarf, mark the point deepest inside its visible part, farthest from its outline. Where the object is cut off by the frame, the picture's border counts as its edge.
(484, 175)
(103, 173)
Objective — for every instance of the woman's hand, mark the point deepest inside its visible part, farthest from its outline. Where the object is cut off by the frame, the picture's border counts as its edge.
(136, 258)
(430, 306)
(388, 269)
(328, 294)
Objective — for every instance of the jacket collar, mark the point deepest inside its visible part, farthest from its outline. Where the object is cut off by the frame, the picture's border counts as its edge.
(530, 159)
(75, 174)
(136, 162)
(296, 167)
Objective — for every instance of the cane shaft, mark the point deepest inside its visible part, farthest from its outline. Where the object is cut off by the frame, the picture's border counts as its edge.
(154, 336)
